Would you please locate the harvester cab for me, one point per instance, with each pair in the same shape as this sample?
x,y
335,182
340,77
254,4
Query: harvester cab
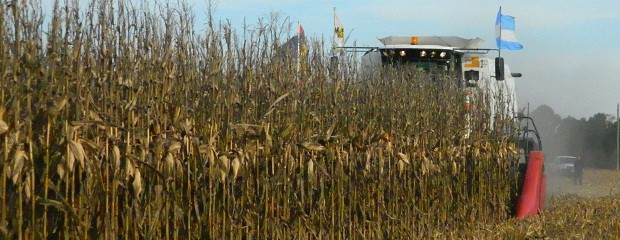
x,y
438,53
471,66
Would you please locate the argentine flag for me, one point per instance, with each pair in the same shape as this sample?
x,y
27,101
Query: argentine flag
x,y
505,32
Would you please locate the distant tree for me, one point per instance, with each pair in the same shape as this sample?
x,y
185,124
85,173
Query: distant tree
x,y
544,115
571,135
593,139
547,121
610,140
599,145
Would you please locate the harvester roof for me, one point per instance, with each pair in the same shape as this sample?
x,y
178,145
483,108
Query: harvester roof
x,y
441,41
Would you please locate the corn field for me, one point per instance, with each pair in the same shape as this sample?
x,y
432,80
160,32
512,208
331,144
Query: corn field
x,y
123,121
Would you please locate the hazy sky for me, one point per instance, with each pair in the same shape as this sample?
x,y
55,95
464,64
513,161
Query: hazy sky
x,y
570,59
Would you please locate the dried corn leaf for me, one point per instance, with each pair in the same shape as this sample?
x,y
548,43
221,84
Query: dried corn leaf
x,y
4,127
60,169
178,167
129,168
310,168
27,188
78,151
174,146
223,163
274,104
236,165
19,159
169,164
89,145
313,146
137,183
244,130
116,157
222,175
401,167
403,157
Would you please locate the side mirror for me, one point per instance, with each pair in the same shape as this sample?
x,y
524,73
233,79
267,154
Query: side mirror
x,y
499,68
520,116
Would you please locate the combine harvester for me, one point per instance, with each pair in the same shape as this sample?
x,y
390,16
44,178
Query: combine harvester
x,y
473,68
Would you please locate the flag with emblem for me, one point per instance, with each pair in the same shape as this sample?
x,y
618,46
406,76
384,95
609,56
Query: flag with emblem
x,y
338,34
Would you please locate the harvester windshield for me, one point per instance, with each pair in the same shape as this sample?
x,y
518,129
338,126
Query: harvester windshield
x,y
434,53
428,59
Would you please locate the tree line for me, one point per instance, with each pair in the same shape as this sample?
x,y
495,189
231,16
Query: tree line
x,y
593,139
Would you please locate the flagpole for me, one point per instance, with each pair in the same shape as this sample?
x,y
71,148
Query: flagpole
x,y
298,49
499,49
334,35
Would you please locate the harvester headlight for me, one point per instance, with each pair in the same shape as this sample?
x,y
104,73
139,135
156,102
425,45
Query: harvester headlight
x,y
402,53
442,54
423,54
433,54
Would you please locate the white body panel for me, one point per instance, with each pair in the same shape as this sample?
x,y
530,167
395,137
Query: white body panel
x,y
501,91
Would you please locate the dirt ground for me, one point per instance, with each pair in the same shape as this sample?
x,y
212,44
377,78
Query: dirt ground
x,y
596,183
588,211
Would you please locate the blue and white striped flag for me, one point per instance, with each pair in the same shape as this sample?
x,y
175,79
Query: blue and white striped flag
x,y
505,32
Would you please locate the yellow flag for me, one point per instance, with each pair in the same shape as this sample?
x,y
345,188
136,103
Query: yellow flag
x,y
338,33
